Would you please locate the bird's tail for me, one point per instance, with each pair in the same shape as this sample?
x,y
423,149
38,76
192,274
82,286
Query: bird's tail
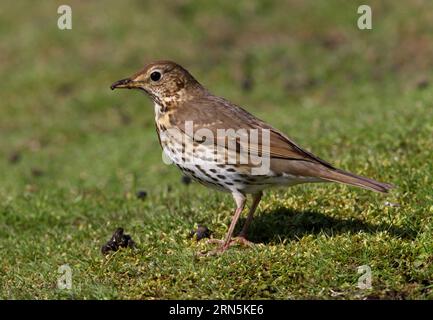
x,y
345,177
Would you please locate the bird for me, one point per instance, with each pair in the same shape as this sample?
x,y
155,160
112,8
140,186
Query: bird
x,y
223,146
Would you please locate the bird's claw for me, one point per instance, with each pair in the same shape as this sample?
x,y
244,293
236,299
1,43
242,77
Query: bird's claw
x,y
224,245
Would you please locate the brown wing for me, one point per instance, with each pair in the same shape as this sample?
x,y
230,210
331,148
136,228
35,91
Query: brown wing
x,y
215,113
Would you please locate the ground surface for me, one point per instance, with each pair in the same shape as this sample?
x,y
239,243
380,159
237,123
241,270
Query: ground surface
x,y
73,154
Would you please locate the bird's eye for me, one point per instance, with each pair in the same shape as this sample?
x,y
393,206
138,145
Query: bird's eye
x,y
155,76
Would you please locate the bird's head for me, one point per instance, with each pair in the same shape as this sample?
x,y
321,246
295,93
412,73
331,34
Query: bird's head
x,y
162,81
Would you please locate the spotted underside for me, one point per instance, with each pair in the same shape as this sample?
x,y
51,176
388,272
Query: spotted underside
x,y
210,165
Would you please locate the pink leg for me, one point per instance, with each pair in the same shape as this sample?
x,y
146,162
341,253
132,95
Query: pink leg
x,y
225,244
240,203
241,239
256,200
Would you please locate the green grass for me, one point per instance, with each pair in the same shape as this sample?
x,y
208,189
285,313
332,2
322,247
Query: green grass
x,y
359,99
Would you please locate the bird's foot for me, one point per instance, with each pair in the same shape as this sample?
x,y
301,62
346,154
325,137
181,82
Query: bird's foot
x,y
223,245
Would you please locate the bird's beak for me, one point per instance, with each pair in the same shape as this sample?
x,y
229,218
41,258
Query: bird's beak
x,y
124,83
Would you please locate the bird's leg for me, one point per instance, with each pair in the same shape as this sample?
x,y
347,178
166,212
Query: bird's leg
x,y
242,237
240,200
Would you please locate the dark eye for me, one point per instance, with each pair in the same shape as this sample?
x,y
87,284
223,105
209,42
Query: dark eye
x,y
155,76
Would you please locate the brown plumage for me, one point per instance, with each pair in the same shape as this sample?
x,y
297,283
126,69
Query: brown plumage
x,y
181,100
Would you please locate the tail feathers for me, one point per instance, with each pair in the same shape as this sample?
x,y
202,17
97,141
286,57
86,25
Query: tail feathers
x,y
341,176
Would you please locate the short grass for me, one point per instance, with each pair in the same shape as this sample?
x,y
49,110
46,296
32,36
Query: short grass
x,y
73,154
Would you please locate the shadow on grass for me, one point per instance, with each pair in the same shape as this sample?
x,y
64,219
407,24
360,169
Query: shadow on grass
x,y
287,224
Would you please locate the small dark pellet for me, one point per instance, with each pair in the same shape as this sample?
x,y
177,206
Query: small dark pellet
x,y
118,240
201,232
141,194
186,180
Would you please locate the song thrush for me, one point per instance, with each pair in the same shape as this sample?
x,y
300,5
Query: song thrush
x,y
213,141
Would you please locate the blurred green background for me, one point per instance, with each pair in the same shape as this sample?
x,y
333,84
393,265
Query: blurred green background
x,y
73,153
